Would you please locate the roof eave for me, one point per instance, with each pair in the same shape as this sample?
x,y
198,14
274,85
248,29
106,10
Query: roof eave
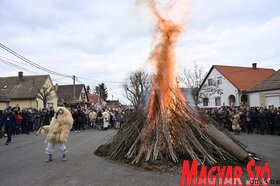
x,y
263,90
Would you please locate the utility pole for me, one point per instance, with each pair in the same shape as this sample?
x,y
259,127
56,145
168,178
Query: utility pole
x,y
74,87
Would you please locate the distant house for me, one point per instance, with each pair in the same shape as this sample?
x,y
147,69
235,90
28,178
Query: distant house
x,y
229,85
23,91
113,104
267,92
96,101
66,95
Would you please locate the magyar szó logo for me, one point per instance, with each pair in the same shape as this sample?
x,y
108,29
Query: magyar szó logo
x,y
224,175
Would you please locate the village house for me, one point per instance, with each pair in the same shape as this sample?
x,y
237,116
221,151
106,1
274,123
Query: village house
x,y
68,97
229,85
23,91
267,92
96,101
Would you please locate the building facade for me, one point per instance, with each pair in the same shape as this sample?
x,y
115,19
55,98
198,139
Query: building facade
x,y
229,85
267,92
22,91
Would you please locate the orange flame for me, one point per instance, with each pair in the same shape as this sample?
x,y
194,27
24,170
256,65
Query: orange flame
x,y
163,58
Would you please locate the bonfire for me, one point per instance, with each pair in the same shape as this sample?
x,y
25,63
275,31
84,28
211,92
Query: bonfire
x,y
166,128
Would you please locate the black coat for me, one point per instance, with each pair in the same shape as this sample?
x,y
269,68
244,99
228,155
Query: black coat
x,y
9,120
277,122
248,117
261,119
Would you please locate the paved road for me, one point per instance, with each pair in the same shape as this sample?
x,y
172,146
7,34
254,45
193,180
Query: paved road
x,y
268,147
22,162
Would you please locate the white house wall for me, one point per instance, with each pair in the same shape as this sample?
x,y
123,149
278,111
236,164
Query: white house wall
x,y
3,105
227,89
254,99
260,99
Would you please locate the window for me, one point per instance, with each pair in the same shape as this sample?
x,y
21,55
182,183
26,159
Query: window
x,y
219,81
50,105
205,101
217,101
83,95
210,82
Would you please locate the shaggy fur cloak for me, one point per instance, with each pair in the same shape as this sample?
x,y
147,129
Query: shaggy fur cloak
x,y
60,126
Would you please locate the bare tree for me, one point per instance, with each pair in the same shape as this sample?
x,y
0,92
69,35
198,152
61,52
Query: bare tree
x,y
45,94
136,87
193,78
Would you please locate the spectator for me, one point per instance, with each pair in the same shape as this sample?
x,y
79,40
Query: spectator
x,y
1,122
75,117
277,122
271,119
43,117
80,119
37,120
261,121
9,121
19,121
235,122
30,120
248,119
24,123
119,118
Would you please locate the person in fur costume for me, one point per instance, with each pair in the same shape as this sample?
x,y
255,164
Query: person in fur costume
x,y
57,132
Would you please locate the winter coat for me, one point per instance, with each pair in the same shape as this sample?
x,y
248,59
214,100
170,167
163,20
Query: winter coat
x,y
19,118
261,119
277,122
9,120
235,122
119,117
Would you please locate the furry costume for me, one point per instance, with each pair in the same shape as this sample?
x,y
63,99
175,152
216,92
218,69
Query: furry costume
x,y
58,131
106,119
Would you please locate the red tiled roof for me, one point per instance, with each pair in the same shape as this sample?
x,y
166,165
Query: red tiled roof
x,y
94,98
244,78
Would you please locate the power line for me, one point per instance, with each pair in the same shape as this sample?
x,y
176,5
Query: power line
x,y
10,67
16,66
32,63
105,81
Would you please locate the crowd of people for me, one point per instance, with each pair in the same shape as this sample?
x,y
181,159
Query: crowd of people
x,y
15,121
96,118
260,120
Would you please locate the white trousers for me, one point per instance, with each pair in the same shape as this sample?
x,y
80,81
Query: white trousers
x,y
105,124
60,146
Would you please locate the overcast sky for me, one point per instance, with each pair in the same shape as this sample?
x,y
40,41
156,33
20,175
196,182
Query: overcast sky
x,y
102,41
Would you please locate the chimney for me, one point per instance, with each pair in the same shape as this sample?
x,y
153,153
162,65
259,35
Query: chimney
x,y
56,87
254,65
20,74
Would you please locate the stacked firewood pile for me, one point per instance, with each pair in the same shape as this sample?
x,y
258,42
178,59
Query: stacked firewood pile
x,y
173,134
